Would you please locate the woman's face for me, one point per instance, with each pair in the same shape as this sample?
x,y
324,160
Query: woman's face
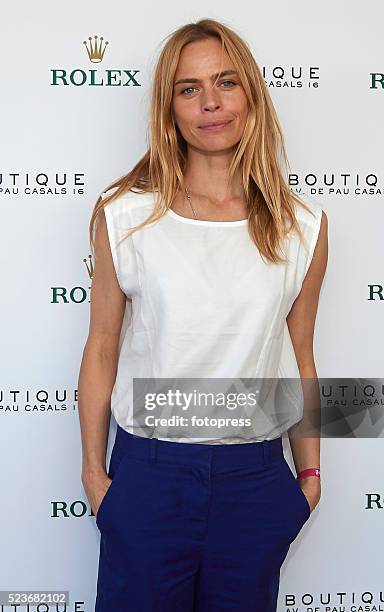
x,y
197,102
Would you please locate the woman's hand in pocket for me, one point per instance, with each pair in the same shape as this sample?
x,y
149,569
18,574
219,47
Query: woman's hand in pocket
x,y
311,487
95,486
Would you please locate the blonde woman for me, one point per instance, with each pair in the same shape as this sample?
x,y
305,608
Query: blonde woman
x,y
206,266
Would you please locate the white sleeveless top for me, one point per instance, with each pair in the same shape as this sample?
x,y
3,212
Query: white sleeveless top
x,y
202,303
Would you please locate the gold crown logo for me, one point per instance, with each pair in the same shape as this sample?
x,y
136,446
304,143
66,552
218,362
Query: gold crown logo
x,y
89,266
95,51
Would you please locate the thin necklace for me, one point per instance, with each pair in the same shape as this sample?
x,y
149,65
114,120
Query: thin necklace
x,y
190,202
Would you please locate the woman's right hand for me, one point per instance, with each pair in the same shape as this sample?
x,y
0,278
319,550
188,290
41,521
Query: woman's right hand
x,y
95,487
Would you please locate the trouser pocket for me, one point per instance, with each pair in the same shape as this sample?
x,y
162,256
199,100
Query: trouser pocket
x,y
115,469
297,506
303,497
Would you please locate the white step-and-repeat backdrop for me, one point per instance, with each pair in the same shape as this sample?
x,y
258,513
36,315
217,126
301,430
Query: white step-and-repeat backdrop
x,y
67,131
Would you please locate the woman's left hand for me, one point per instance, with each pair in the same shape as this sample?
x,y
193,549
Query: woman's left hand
x,y
311,487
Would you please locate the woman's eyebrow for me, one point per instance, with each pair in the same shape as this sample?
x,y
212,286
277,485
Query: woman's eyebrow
x,y
213,77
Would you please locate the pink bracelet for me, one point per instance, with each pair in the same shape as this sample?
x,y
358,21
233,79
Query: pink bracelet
x,y
308,472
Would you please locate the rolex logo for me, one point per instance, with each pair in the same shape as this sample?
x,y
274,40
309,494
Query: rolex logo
x,y
95,77
73,295
96,50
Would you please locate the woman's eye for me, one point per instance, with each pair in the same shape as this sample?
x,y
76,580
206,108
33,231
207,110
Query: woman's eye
x,y
184,90
222,83
233,83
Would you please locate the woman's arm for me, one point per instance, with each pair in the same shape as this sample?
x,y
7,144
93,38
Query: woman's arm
x,y
301,324
99,366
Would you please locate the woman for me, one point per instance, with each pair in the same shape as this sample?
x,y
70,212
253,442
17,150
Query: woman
x,y
207,266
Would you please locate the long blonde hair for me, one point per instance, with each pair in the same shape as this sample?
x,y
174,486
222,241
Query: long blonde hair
x,y
270,201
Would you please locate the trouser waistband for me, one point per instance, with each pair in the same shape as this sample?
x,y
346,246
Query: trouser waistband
x,y
153,449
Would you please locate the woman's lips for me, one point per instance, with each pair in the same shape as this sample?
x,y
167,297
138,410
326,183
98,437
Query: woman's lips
x,y
215,128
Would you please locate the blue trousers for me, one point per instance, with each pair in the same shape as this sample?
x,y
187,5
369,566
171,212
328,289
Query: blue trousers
x,y
195,527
